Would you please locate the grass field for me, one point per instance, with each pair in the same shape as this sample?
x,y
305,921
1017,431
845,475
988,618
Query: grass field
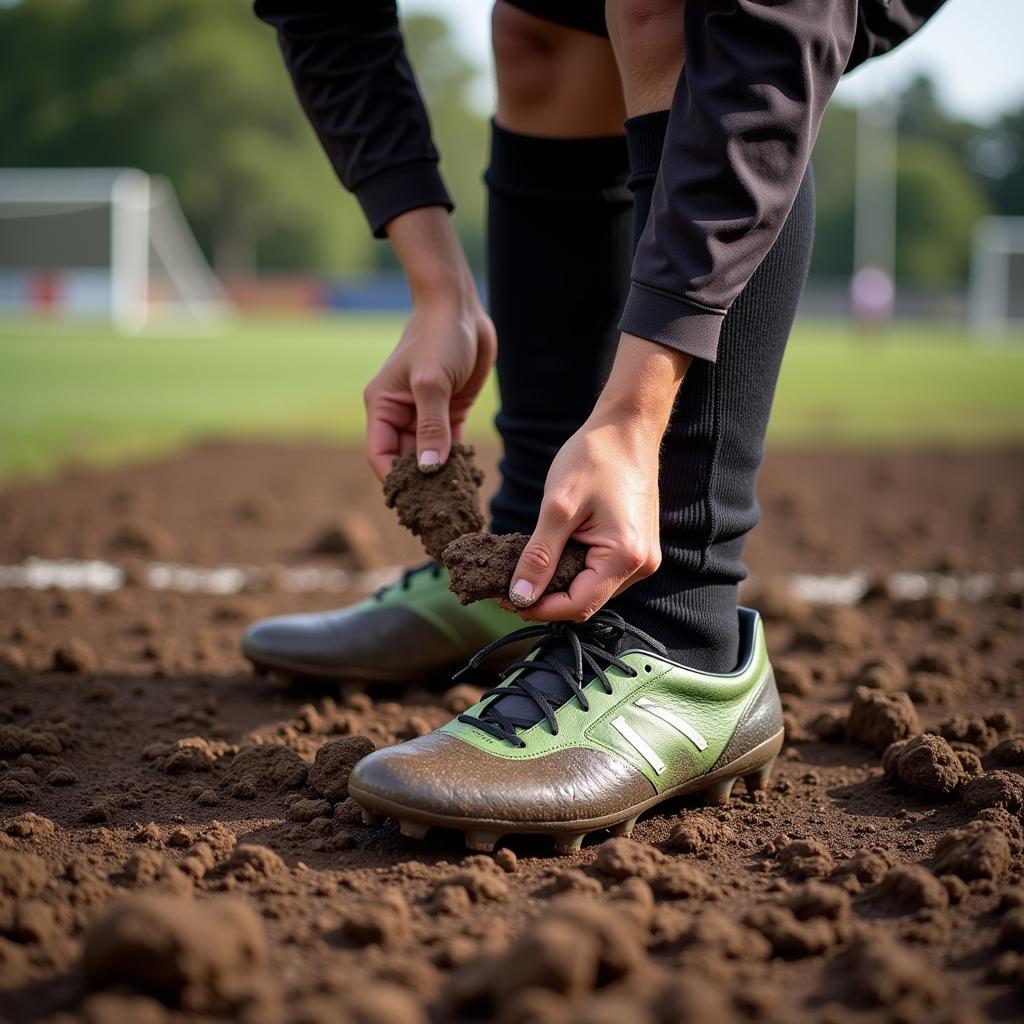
x,y
85,395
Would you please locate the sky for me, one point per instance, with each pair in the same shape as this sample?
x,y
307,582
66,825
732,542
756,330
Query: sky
x,y
971,48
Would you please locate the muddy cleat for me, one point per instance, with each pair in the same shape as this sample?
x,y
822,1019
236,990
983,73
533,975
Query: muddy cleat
x,y
595,727
405,633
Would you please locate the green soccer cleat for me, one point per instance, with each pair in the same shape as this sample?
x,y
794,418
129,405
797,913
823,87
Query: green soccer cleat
x,y
595,727
405,633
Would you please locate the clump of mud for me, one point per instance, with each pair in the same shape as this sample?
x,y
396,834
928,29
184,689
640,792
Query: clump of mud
x,y
481,565
437,503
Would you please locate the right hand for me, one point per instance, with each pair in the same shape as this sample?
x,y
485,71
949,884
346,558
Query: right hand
x,y
423,393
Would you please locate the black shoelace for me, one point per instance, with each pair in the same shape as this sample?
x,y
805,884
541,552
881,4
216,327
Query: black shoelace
x,y
434,568
592,646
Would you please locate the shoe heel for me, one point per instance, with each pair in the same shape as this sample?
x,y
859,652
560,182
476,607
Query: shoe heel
x,y
758,780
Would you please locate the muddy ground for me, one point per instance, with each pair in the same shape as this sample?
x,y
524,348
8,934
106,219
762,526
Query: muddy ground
x,y
166,853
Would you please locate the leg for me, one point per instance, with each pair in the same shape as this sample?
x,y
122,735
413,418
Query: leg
x,y
559,228
714,443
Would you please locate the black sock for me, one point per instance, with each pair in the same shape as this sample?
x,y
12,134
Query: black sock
x,y
714,443
558,257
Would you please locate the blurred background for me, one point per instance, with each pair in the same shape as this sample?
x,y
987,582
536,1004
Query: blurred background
x,y
177,260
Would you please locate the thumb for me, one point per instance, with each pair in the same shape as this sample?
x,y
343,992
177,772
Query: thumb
x,y
540,557
433,421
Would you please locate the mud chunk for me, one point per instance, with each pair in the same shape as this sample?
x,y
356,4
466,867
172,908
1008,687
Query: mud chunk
x,y
864,867
140,538
144,866
251,861
35,921
909,887
689,1000
1010,751
30,826
267,768
829,726
576,947
483,885
683,881
449,901
794,677
307,810
878,719
200,957
1011,929
891,757
815,899
192,754
74,656
981,850
461,697
698,832
333,765
889,974
928,764
886,671
21,874
61,776
385,921
624,858
969,729
789,936
574,880
481,565
507,860
716,933
995,789
970,764
440,503
804,858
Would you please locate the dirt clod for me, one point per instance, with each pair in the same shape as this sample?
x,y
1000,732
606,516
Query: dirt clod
x,y
928,764
878,718
437,504
200,957
481,565
334,763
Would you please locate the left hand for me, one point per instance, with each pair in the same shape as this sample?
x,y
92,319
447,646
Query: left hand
x,y
602,490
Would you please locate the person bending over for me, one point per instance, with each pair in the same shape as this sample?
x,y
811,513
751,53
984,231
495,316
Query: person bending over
x,y
642,287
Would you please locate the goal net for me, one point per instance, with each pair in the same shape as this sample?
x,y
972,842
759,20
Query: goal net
x,y
104,243
996,297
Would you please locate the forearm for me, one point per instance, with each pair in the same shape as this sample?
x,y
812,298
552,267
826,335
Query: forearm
x,y
431,254
642,387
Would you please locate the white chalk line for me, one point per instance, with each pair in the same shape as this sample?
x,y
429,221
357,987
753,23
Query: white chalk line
x,y
100,577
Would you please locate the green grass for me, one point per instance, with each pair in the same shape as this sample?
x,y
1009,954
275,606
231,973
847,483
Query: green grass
x,y
70,393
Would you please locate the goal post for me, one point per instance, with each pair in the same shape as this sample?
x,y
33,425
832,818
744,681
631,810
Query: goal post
x,y
996,292
103,242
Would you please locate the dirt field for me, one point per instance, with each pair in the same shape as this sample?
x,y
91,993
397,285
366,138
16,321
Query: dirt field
x,y
166,854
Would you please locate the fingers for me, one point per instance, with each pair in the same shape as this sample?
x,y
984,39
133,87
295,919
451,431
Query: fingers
x,y
432,394
539,559
382,443
608,572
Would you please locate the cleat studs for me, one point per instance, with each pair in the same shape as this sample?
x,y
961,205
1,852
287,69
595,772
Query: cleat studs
x,y
482,842
413,829
718,795
568,843
623,828
371,818
758,780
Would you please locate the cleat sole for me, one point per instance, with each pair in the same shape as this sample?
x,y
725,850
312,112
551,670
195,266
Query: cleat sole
x,y
371,818
715,788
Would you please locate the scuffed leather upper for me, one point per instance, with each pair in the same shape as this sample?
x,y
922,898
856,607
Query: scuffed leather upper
x,y
442,774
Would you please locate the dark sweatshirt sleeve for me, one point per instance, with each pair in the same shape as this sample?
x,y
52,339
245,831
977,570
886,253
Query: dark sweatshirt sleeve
x,y
348,62
757,77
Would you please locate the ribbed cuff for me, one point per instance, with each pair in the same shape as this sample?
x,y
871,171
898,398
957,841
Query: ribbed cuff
x,y
562,170
645,139
400,189
673,321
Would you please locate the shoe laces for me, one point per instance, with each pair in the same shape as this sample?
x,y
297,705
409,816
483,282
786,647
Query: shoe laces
x,y
434,568
592,647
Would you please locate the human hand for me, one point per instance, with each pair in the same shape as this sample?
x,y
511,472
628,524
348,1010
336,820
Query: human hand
x,y
422,394
602,490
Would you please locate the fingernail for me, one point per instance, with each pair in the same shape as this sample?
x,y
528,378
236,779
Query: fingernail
x,y
521,592
429,458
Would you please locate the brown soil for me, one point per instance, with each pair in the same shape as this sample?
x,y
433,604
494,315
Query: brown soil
x,y
176,843
439,503
481,565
